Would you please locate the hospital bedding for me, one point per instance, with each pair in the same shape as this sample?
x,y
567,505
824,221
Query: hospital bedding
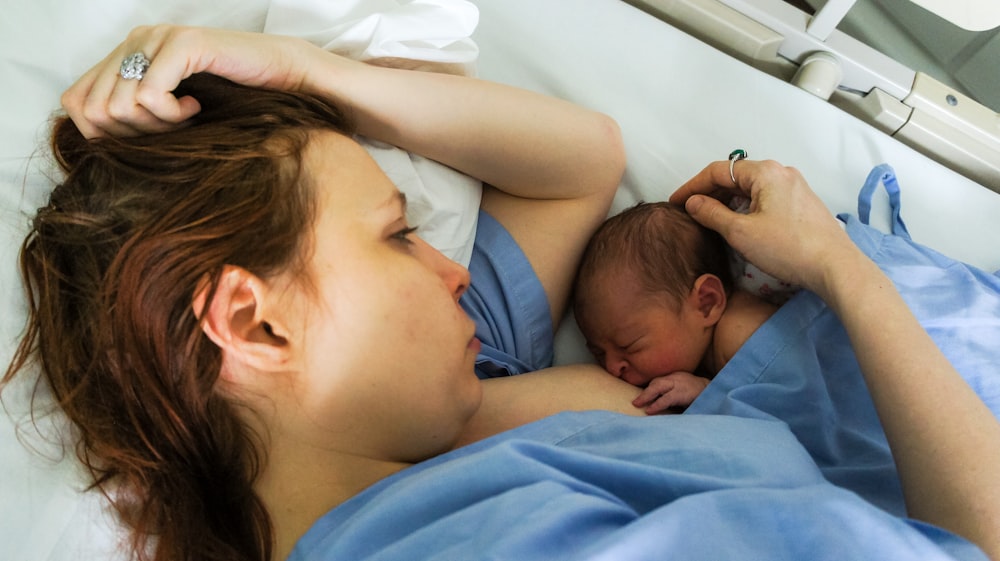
x,y
680,104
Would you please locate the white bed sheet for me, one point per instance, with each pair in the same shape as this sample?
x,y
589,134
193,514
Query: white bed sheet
x,y
679,102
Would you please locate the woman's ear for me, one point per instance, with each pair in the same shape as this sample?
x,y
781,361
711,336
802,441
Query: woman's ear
x,y
237,320
708,299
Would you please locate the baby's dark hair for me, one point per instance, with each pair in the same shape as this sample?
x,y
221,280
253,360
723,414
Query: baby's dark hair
x,y
662,244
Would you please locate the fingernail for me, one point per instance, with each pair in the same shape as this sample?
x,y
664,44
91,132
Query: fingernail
x,y
694,203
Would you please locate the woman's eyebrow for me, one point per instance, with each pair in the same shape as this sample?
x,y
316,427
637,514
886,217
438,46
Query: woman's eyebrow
x,y
399,197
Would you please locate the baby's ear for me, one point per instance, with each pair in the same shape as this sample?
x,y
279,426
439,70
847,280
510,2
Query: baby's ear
x,y
708,297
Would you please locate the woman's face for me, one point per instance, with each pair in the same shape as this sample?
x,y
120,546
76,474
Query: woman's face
x,y
389,353
638,336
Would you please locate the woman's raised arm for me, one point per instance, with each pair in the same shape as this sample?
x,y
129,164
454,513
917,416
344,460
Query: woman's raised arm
x,y
945,441
553,166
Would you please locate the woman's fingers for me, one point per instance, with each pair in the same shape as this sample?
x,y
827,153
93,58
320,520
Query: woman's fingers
x,y
712,214
102,102
714,181
788,231
174,54
76,98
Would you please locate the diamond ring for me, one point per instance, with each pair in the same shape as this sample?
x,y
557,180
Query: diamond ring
x,y
134,66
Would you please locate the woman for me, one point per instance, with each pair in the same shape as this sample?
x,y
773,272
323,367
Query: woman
x,y
262,277
301,370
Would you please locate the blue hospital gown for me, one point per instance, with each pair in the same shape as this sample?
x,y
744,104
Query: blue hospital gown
x,y
597,485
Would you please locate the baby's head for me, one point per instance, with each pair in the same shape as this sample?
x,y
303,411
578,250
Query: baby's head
x,y
651,285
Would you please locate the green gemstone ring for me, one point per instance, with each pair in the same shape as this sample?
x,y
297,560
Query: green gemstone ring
x,y
735,156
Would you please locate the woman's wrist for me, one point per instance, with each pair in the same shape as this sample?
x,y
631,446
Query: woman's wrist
x,y
844,274
322,73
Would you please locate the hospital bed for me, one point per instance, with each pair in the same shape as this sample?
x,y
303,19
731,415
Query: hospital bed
x,y
810,52
681,102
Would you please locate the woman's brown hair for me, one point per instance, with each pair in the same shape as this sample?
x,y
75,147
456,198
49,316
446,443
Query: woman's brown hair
x,y
111,266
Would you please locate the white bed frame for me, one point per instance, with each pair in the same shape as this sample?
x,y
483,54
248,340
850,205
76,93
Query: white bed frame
x,y
808,51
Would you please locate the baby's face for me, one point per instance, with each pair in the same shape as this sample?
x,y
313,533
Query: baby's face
x,y
636,335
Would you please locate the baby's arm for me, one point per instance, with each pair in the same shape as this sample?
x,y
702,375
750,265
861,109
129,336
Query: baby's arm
x,y
677,389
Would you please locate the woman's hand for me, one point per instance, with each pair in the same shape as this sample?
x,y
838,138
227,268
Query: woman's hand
x,y
103,103
788,232
942,458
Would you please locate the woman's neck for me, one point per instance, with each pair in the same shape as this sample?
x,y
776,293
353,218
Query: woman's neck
x,y
301,484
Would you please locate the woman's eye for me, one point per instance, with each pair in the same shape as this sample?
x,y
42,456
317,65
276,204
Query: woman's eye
x,y
404,235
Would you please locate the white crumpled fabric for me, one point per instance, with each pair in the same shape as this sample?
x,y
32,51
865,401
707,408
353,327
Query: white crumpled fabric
x,y
420,30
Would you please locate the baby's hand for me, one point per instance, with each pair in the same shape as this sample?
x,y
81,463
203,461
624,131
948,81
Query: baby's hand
x,y
678,389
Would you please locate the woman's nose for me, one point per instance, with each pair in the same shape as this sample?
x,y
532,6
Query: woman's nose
x,y
455,276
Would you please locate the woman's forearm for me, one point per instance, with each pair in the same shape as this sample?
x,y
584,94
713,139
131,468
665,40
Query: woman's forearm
x,y
945,441
518,141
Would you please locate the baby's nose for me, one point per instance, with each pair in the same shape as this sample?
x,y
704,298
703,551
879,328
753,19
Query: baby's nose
x,y
616,366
